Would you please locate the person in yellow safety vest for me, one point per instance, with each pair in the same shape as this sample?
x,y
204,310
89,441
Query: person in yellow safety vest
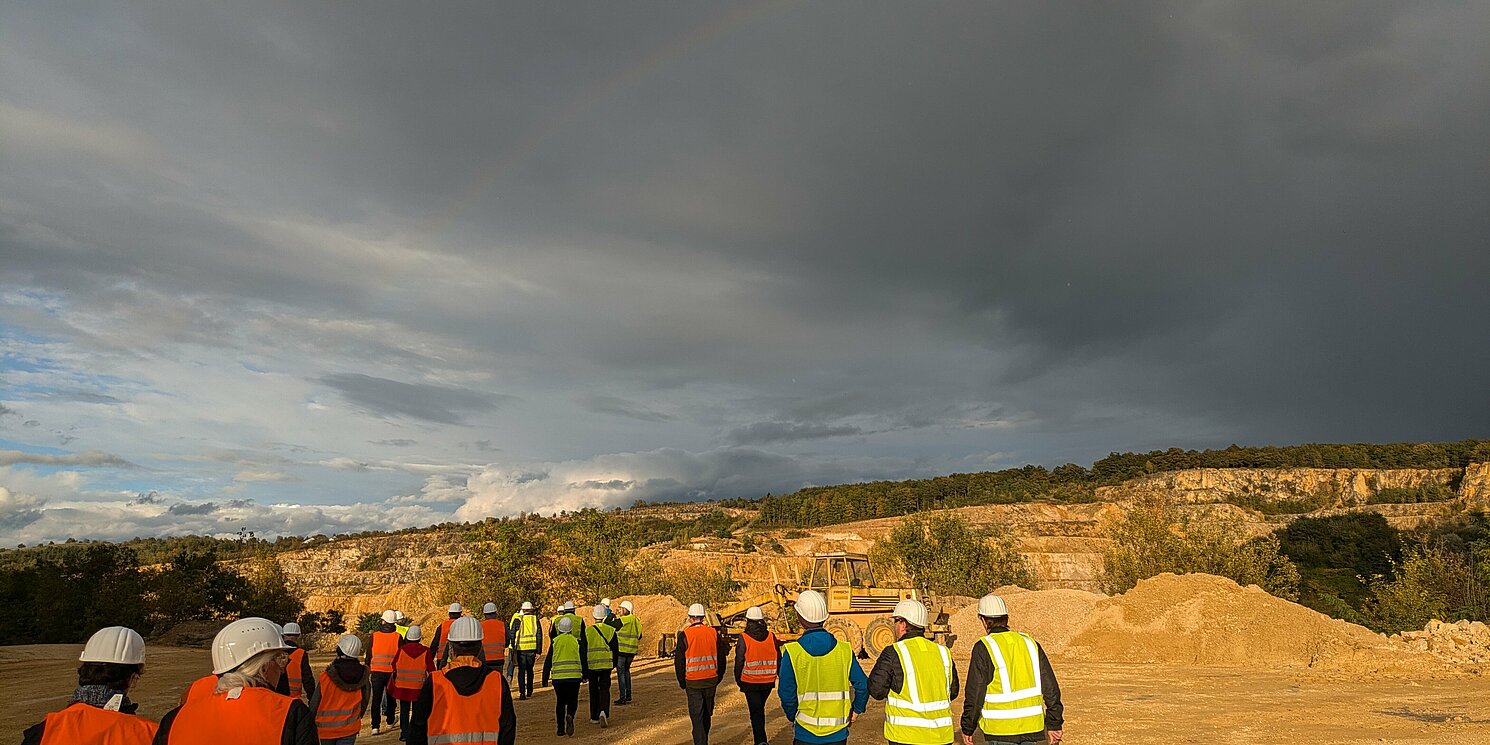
x,y
698,661
493,638
100,711
757,657
600,658
917,680
442,635
298,679
342,697
569,667
527,644
576,629
1012,694
380,653
466,702
628,645
822,688
401,624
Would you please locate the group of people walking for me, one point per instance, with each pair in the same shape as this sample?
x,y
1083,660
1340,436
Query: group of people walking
x,y
263,691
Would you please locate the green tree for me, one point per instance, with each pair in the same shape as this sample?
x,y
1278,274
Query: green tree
x,y
946,553
269,593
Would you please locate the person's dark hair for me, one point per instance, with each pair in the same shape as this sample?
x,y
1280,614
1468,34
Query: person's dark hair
x,y
464,649
107,674
996,622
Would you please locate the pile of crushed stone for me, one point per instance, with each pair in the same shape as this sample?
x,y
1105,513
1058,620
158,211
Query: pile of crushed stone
x,y
1461,642
1050,616
659,615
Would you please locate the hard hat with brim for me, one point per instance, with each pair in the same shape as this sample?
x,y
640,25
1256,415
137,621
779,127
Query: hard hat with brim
x,y
350,646
414,634
753,613
598,613
489,608
454,608
292,629
116,645
241,640
696,610
812,606
912,612
992,606
565,625
527,605
389,616
465,629
626,605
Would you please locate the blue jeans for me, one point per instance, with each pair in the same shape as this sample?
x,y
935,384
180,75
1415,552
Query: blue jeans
x,y
623,676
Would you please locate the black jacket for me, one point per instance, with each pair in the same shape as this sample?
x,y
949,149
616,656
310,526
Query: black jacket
x,y
981,671
889,675
467,681
349,675
307,678
680,662
755,630
300,726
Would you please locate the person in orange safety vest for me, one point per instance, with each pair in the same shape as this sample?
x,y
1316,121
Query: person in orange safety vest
x,y
466,701
298,680
342,695
411,667
698,661
100,712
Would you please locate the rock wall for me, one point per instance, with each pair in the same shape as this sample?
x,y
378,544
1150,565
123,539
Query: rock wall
x,y
1336,487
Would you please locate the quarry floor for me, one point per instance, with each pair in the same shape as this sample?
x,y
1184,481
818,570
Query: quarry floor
x,y
1105,703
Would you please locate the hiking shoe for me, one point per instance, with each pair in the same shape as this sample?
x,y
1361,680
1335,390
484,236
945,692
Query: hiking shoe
x,y
376,730
604,720
569,725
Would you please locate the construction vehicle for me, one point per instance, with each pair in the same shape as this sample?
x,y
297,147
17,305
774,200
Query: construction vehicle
x,y
858,608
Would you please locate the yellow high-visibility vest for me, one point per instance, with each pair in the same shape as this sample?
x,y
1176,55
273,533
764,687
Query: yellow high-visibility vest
x,y
566,662
921,714
629,636
597,646
525,626
824,697
1014,703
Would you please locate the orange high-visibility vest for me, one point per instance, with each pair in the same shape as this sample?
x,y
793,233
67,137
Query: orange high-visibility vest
x,y
384,646
444,637
339,712
760,659
256,717
202,686
494,640
81,724
410,671
292,672
702,662
474,719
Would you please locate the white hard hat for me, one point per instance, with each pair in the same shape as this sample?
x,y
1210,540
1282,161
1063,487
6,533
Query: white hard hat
x,y
489,608
465,629
812,606
241,640
527,605
626,605
560,609
455,608
568,606
389,616
292,629
599,613
565,625
116,644
605,602
696,610
350,645
414,634
992,606
912,612
753,613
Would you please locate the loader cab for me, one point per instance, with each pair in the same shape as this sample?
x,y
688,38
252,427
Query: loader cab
x,y
839,577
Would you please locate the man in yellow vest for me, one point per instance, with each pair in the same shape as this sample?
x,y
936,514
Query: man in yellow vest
x,y
1012,694
628,645
576,629
527,644
917,680
600,657
822,688
568,669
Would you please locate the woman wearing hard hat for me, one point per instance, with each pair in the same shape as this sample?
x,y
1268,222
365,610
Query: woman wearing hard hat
x,y
756,657
343,694
380,653
411,667
248,656
466,702
100,712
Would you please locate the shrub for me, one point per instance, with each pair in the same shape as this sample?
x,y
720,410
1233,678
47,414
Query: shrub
x,y
946,553
1430,582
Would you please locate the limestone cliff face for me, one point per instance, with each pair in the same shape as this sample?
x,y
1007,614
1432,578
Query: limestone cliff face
x,y
368,575
1326,487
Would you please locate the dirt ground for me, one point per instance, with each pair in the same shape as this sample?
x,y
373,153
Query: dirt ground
x,y
1105,703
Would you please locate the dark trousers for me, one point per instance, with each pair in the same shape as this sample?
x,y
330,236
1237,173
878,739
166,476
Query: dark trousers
x,y
548,664
599,693
525,662
382,702
404,709
623,676
701,712
566,699
756,702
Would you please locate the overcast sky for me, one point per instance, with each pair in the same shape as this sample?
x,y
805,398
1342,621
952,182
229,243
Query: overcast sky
x,y
321,267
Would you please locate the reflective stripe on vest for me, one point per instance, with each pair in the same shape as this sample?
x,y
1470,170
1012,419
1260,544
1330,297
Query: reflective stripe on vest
x,y
411,670
1014,703
702,653
384,647
824,697
527,632
293,670
475,718
760,659
597,647
240,716
566,663
338,712
629,636
922,713
494,640
81,724
444,637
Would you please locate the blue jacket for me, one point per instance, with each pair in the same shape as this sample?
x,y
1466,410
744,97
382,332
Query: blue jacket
x,y
817,643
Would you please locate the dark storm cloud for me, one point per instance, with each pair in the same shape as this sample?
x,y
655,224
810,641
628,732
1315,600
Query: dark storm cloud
x,y
431,403
87,458
762,433
397,442
601,404
201,508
